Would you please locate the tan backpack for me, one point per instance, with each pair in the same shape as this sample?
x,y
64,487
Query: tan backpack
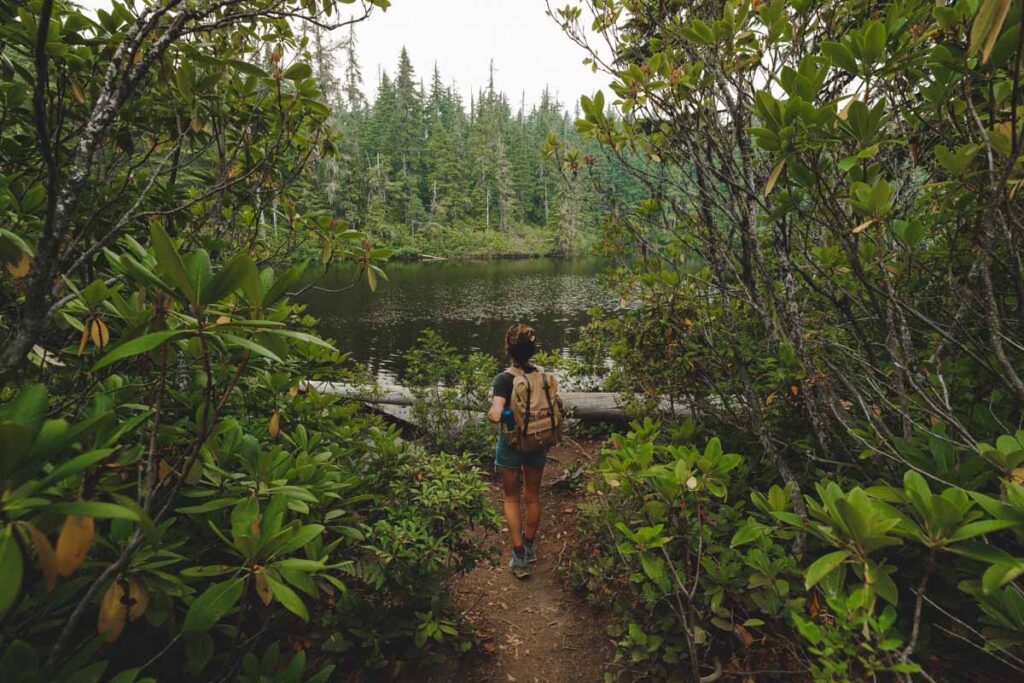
x,y
537,410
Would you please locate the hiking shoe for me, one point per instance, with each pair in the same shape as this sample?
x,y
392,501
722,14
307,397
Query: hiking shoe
x,y
518,565
529,549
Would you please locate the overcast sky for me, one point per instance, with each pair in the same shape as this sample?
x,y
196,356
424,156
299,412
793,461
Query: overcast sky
x,y
462,36
528,47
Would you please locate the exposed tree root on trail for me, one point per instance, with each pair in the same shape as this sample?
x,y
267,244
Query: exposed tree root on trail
x,y
536,630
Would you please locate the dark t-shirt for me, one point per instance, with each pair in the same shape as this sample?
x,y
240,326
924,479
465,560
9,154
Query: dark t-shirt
x,y
503,383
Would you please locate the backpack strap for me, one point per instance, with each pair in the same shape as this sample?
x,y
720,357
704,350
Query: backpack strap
x,y
547,394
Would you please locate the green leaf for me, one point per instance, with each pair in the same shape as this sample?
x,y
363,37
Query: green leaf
x,y
10,570
874,42
883,583
91,508
840,56
303,536
287,597
985,526
229,278
170,262
208,506
137,346
303,336
298,72
245,67
249,345
299,564
243,516
74,466
210,607
823,566
21,421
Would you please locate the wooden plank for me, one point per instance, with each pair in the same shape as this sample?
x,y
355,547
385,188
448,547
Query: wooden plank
x,y
585,405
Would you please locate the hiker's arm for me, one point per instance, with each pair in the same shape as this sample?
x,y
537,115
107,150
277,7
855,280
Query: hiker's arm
x,y
497,405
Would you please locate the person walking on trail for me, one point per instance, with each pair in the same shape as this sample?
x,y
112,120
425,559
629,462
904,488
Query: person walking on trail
x,y
528,412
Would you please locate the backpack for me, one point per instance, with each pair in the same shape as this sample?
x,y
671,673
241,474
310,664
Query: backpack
x,y
537,411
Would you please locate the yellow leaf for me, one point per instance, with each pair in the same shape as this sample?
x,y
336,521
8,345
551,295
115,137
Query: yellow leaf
x,y
274,428
20,269
223,320
794,389
138,599
47,559
85,338
76,92
774,177
262,586
113,612
164,472
845,111
99,333
73,544
863,226
294,391
988,23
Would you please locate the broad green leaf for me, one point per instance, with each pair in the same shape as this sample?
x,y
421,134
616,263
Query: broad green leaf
x,y
199,270
985,526
299,564
74,466
90,508
823,566
138,346
302,336
170,262
287,597
303,536
249,345
208,506
874,37
214,603
298,72
11,569
229,278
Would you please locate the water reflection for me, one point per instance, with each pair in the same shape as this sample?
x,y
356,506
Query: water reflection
x,y
470,304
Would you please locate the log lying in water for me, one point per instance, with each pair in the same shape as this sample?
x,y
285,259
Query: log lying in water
x,y
585,405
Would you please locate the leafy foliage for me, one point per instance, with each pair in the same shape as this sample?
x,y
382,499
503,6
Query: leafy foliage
x,y
827,269
176,502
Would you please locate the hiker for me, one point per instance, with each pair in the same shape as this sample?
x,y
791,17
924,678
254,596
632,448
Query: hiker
x,y
526,408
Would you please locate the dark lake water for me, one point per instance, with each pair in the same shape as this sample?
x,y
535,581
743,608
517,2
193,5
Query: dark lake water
x,y
469,303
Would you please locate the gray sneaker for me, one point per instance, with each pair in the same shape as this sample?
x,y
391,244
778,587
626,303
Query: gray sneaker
x,y
518,565
530,549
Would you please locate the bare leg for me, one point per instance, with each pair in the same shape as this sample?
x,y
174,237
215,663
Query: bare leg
x,y
532,476
510,483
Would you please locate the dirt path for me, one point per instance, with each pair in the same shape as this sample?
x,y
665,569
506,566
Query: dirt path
x,y
536,630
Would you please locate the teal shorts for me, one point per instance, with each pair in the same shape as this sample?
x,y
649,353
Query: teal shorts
x,y
505,456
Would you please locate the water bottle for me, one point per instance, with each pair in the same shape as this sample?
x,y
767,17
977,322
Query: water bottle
x,y
508,420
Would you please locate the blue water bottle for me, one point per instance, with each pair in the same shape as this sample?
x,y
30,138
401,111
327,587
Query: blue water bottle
x,y
508,420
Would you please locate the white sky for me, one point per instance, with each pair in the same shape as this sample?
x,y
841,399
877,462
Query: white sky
x,y
528,48
462,36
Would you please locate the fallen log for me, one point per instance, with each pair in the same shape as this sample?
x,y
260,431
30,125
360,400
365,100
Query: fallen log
x,y
585,405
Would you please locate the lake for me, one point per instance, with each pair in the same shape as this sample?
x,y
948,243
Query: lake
x,y
469,303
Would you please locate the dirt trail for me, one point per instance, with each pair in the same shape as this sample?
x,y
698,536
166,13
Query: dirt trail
x,y
536,630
